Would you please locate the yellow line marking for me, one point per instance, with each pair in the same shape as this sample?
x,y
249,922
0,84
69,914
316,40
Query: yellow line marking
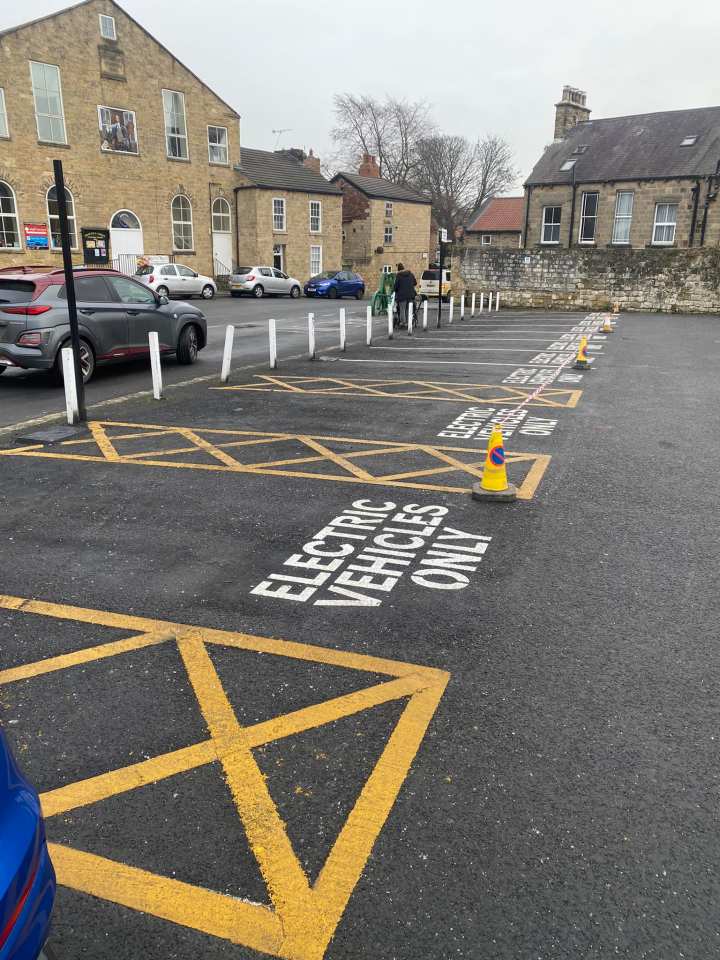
x,y
353,473
304,916
102,440
447,391
250,924
527,488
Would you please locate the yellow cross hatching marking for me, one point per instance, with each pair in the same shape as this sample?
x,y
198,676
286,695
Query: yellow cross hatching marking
x,y
286,454
411,390
303,916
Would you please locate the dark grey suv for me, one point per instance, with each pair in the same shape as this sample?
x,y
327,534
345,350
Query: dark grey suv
x,y
115,316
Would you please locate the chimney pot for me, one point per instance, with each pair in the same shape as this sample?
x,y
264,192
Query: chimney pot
x,y
571,110
369,166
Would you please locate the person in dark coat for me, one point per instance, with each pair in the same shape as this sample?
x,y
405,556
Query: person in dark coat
x,y
404,290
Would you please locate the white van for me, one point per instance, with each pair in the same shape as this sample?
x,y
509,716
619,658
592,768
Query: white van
x,y
429,284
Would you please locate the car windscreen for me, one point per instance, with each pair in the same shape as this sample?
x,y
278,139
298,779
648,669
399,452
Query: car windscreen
x,y
144,271
326,275
243,271
430,274
16,291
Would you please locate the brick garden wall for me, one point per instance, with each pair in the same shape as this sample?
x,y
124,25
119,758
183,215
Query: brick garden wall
x,y
676,281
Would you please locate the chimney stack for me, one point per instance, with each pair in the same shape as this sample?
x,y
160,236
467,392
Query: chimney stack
x,y
312,162
369,167
571,109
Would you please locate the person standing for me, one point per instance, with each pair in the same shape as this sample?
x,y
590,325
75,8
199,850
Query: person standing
x,y
404,290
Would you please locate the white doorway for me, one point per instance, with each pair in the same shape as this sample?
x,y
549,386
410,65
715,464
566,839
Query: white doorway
x,y
279,256
126,240
222,237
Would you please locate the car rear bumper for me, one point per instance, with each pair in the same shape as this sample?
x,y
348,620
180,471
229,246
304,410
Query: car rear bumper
x,y
27,358
32,926
236,287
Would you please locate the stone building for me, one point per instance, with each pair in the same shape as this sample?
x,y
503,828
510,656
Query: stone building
x,y
383,223
149,152
649,180
498,222
290,215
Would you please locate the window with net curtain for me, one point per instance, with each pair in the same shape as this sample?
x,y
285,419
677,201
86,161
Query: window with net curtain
x,y
9,229
175,126
182,226
623,216
54,218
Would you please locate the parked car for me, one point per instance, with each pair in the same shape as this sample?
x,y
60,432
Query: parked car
x,y
429,284
27,878
257,281
115,316
176,280
336,283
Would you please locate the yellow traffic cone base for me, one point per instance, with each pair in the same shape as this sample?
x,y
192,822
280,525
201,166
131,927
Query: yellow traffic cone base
x,y
494,482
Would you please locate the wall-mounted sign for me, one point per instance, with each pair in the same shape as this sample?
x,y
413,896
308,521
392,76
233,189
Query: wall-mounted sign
x,y
118,130
96,245
36,236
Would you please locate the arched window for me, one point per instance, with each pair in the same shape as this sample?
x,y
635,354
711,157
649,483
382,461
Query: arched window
x,y
221,216
125,220
54,218
9,229
182,226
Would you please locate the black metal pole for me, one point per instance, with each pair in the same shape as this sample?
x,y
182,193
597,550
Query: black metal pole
x,y
69,285
441,261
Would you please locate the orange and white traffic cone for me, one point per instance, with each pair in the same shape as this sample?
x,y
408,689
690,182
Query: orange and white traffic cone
x,y
494,482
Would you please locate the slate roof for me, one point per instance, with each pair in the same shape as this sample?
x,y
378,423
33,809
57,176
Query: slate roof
x,y
498,214
379,189
280,170
642,147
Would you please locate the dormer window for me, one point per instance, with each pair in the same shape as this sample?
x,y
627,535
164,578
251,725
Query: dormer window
x,y
568,165
689,141
581,148
107,27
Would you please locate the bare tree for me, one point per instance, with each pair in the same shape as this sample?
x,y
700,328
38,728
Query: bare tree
x,y
458,175
389,129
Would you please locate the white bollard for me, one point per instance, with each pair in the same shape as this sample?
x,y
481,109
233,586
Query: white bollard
x,y
390,320
497,301
490,305
155,365
472,305
482,302
368,326
311,336
227,353
272,337
452,309
71,397
462,307
411,307
342,328
425,310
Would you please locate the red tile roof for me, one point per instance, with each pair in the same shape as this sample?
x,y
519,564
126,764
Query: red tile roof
x,y
500,213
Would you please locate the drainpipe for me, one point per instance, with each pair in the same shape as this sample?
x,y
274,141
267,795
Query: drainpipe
x,y
693,222
708,197
237,222
527,218
572,209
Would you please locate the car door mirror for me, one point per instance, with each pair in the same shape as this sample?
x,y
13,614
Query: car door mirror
x,y
195,275
162,300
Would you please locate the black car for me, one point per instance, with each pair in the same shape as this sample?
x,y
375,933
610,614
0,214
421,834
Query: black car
x,y
115,316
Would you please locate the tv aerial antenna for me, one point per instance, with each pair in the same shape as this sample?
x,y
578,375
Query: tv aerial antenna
x,y
279,133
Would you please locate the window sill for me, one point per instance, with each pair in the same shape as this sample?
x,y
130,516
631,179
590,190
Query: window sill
x,y
118,153
178,159
283,232
620,246
3,137
218,163
661,246
14,250
186,253
58,146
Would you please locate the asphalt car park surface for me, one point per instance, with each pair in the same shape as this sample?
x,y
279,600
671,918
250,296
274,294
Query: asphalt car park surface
x,y
287,690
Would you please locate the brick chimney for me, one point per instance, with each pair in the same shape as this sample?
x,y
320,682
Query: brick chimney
x,y
570,110
312,162
369,167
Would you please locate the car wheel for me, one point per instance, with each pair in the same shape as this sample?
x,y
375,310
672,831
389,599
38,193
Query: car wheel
x,y
87,363
3,368
332,293
163,292
359,294
295,292
208,292
187,348
258,291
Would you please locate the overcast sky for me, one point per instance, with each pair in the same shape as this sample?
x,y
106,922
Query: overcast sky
x,y
486,67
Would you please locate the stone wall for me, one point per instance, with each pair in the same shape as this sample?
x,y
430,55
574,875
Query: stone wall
x,y
675,281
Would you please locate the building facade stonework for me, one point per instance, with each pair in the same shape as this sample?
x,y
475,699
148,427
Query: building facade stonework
x,y
114,180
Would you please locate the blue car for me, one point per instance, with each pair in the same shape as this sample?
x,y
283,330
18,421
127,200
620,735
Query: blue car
x,y
27,878
336,283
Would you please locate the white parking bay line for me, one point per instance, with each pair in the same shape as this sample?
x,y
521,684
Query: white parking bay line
x,y
420,349
456,363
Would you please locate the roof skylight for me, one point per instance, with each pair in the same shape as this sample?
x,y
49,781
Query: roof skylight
x,y
568,165
689,141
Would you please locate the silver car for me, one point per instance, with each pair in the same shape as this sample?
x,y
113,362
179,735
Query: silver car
x,y
176,280
257,281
